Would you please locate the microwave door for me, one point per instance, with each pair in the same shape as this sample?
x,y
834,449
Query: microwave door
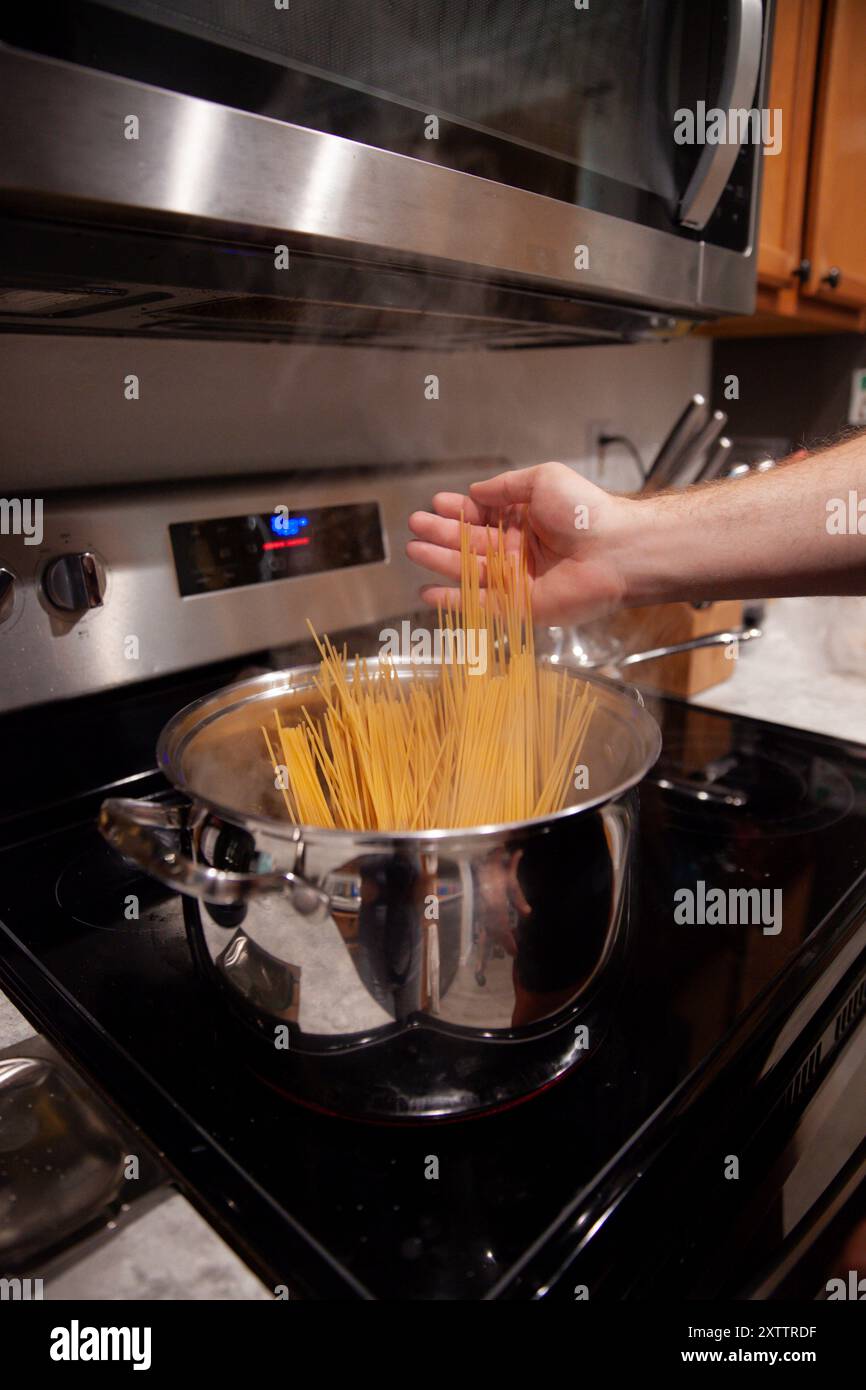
x,y
576,104
431,167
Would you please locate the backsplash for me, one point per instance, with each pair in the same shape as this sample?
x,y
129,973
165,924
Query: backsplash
x,y
797,388
207,409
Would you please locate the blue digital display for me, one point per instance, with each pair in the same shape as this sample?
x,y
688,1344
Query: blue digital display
x,y
230,552
288,525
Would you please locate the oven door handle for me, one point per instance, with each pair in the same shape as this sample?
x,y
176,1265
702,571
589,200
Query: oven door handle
x,y
739,80
148,833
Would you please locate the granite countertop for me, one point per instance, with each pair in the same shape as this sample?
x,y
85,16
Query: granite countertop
x,y
169,1253
789,675
786,677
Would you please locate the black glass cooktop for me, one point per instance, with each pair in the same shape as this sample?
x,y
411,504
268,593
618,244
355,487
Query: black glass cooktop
x,y
577,1184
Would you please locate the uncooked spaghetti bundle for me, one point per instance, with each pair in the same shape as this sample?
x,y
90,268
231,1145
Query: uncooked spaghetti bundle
x,y
442,744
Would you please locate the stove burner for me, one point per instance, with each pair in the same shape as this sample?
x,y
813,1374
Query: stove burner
x,y
751,792
99,889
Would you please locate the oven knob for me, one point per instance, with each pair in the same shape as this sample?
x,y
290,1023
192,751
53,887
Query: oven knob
x,y
7,593
74,583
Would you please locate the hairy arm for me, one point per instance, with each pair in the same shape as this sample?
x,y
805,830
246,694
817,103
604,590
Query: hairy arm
x,y
784,532
788,531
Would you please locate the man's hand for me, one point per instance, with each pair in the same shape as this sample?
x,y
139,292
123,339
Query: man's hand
x,y
797,529
573,529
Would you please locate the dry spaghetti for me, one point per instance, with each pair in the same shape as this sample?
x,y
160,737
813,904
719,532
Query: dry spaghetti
x,y
455,746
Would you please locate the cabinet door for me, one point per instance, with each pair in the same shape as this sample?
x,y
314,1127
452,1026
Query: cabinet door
x,y
836,201
792,87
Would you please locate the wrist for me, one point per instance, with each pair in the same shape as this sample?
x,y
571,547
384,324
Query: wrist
x,y
644,539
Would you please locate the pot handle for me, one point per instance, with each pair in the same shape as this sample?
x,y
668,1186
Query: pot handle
x,y
708,639
134,829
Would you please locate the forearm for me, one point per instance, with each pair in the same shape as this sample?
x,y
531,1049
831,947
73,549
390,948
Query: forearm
x,y
785,532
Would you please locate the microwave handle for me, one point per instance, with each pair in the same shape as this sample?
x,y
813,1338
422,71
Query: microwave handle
x,y
739,80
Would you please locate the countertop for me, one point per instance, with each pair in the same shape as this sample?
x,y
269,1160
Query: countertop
x,y
170,1253
788,675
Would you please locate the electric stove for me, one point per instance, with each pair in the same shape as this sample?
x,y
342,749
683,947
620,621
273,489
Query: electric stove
x,y
680,1159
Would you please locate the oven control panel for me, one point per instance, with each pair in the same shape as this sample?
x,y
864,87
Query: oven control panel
x,y
102,589
228,552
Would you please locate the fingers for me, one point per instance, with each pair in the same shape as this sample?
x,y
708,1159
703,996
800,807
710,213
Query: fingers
x,y
505,489
451,504
438,533
438,530
440,560
438,596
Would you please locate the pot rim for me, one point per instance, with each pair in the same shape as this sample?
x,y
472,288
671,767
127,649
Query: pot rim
x,y
192,718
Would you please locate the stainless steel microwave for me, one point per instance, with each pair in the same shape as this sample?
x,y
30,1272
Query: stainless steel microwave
x,y
504,173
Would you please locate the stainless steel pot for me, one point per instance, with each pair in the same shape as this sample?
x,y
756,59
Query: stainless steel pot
x,y
335,941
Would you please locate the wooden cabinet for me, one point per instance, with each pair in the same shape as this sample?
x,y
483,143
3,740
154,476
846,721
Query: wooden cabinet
x,y
835,241
813,204
785,175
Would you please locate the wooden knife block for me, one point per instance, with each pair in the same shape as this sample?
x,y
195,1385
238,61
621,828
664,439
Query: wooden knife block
x,y
686,673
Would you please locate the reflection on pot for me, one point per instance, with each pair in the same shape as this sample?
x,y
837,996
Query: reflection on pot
x,y
498,939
